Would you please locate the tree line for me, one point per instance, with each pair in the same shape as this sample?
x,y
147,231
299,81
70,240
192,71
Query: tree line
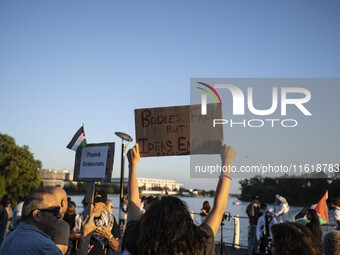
x,y
19,173
298,191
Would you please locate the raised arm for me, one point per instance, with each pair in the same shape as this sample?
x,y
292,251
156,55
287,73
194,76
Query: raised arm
x,y
214,217
133,192
281,208
87,231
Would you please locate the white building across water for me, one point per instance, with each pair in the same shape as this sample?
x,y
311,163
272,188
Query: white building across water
x,y
53,177
148,186
153,186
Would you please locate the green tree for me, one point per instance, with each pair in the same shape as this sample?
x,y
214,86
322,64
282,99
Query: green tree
x,y
181,190
18,169
298,191
211,193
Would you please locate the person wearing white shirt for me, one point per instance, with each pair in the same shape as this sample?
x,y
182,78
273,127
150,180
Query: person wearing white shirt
x,y
281,209
263,228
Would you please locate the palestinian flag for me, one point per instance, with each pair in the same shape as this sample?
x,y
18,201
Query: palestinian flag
x,y
78,141
321,209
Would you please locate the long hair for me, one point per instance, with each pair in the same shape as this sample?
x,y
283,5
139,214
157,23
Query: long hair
x,y
331,243
206,206
166,228
294,239
314,225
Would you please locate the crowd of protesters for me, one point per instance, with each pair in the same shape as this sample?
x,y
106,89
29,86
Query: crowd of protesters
x,y
261,219
270,231
46,222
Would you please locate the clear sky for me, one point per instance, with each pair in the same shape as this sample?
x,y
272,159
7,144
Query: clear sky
x,y
64,63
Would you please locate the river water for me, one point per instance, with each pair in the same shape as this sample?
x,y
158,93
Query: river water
x,y
195,204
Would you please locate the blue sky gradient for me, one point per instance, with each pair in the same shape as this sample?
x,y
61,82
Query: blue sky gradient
x,y
64,63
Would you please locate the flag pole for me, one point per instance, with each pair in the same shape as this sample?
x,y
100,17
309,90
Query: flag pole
x,y
90,195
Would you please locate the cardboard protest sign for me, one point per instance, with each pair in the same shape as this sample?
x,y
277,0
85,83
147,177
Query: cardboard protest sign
x,y
178,130
94,162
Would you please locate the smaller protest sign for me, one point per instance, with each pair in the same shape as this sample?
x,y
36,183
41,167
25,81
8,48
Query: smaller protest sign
x,y
94,162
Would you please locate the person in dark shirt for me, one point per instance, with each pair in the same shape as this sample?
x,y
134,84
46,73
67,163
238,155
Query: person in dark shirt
x,y
167,227
253,212
73,220
205,210
61,233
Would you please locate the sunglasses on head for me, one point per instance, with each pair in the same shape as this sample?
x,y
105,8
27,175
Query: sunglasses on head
x,y
54,210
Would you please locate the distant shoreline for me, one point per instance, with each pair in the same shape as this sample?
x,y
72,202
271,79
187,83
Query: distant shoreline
x,y
177,195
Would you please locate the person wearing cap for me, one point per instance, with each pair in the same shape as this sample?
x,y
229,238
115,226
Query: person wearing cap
x,y
263,228
253,212
104,237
